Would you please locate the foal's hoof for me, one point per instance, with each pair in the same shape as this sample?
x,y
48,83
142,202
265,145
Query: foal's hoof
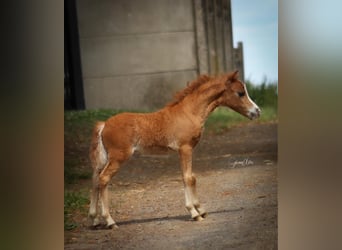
x,y
96,227
198,218
112,226
96,224
204,215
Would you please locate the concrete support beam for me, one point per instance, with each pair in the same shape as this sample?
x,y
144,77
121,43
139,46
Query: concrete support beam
x,y
201,38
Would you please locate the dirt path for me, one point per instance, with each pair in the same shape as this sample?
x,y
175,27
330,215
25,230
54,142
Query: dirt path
x,y
237,184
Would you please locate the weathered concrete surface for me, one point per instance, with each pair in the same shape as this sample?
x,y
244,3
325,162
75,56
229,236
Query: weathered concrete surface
x,y
137,54
126,42
143,92
122,17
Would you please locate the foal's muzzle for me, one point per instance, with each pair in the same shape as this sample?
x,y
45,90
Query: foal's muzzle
x,y
254,113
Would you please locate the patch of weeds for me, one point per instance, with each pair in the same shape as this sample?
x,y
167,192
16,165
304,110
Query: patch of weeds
x,y
74,203
71,176
268,114
85,119
79,124
222,119
72,171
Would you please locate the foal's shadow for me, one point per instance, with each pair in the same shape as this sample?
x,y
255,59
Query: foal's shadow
x,y
165,218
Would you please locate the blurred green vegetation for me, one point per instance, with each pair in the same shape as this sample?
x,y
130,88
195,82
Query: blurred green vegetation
x,y
222,119
264,94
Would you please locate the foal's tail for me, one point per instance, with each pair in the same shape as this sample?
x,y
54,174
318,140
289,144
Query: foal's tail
x,y
98,154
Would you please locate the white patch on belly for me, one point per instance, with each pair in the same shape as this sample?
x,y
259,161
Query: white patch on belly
x,y
135,148
173,145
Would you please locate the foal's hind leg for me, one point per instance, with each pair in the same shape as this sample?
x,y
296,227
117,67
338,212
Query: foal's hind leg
x,y
94,200
98,164
105,176
116,158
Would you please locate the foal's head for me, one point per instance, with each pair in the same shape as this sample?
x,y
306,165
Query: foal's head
x,y
236,97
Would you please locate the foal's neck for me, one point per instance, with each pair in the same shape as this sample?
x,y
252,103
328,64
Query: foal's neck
x,y
203,102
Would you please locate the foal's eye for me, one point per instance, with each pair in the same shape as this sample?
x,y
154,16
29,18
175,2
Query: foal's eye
x,y
241,94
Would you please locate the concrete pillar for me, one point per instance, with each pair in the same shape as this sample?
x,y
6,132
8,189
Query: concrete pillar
x,y
228,36
201,37
218,24
238,60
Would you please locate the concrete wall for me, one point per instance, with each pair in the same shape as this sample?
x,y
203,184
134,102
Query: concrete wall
x,y
218,24
136,54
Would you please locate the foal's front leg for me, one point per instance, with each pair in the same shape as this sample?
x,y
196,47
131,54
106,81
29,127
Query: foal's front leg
x,y
191,200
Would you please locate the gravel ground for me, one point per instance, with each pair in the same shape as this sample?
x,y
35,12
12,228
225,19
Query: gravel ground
x,y
236,182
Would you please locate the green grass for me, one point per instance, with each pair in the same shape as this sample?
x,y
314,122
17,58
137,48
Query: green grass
x,y
268,114
74,202
72,173
78,126
83,121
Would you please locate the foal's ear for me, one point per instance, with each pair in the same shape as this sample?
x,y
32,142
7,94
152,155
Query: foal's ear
x,y
235,75
232,77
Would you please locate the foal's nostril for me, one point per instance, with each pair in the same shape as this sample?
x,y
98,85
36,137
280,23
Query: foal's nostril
x,y
257,112
254,112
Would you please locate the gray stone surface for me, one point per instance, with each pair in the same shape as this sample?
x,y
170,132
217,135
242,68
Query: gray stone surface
x,y
109,17
143,92
136,54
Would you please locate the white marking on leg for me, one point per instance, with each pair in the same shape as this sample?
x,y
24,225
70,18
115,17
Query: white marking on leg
x,y
93,204
195,200
189,202
105,207
94,197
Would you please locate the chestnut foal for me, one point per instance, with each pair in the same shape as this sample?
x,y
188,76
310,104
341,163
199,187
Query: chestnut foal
x,y
178,126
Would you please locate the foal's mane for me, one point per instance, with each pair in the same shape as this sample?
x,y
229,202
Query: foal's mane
x,y
192,86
